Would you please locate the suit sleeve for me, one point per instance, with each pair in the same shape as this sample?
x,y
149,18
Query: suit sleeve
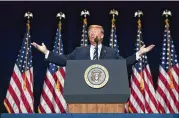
x,y
60,59
129,60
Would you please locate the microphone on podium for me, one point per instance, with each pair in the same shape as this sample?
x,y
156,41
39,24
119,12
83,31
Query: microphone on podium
x,y
96,40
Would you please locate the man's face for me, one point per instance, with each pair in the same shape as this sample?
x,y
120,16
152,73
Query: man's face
x,y
93,33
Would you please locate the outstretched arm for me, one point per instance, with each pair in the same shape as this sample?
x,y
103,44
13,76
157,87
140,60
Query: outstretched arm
x,y
132,59
51,57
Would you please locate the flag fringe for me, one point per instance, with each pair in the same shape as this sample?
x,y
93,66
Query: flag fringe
x,y
7,108
39,110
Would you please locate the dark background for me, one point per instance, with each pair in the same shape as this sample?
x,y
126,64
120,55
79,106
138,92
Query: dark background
x,y
44,24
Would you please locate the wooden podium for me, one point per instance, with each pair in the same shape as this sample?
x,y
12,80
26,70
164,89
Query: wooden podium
x,y
82,98
96,108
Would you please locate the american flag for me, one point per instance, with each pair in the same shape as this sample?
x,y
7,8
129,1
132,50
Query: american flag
x,y
142,93
113,38
168,80
19,97
52,99
84,37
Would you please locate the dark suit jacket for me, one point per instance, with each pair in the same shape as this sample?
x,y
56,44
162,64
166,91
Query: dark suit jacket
x,y
83,53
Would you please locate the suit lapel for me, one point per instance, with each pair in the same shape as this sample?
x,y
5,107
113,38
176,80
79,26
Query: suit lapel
x,y
103,52
88,52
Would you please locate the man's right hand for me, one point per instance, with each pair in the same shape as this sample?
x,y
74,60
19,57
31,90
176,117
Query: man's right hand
x,y
42,48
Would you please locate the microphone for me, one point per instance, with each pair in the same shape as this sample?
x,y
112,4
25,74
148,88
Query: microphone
x,y
96,40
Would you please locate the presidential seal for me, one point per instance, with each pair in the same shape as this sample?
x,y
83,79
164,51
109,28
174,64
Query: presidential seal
x,y
96,76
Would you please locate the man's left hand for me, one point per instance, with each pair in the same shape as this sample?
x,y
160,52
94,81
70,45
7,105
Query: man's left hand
x,y
144,49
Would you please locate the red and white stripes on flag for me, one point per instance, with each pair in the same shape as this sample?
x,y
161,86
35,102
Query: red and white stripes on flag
x,y
19,97
168,79
142,97
52,99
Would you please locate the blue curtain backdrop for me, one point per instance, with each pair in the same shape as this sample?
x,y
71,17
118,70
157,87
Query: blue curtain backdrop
x,y
44,24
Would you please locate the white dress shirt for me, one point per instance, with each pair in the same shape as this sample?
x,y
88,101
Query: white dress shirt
x,y
92,49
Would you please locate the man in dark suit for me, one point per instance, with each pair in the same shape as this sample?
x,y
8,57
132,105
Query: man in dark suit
x,y
93,52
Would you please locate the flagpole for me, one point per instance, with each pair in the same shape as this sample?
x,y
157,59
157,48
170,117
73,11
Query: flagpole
x,y
169,54
84,13
113,20
28,15
113,12
138,14
141,72
59,16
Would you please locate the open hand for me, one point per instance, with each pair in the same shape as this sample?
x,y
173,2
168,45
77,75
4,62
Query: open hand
x,y
144,49
42,48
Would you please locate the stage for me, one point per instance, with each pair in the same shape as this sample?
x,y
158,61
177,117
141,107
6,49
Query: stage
x,y
107,115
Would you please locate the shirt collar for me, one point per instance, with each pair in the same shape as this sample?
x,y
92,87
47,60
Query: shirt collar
x,y
99,46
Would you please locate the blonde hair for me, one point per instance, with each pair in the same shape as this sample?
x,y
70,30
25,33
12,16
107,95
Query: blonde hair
x,y
96,26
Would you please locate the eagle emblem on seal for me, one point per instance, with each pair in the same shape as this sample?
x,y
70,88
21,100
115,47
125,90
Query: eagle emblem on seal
x,y
96,76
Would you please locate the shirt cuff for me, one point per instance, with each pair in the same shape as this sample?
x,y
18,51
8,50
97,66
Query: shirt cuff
x,y
137,56
46,55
